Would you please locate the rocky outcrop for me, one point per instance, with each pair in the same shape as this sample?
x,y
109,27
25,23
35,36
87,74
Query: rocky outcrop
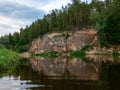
x,y
36,44
57,42
54,41
25,55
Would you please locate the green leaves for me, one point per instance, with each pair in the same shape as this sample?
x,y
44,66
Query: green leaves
x,y
8,58
107,21
112,23
50,54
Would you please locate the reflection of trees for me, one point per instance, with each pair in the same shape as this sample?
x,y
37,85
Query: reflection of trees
x,y
109,75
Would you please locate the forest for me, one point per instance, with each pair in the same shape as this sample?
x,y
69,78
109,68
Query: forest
x,y
104,16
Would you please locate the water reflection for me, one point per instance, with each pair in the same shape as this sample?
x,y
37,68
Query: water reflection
x,y
103,69
65,66
64,73
109,75
23,79
69,84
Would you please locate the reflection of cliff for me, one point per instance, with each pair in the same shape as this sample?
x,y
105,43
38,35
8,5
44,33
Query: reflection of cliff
x,y
101,58
60,83
65,67
56,41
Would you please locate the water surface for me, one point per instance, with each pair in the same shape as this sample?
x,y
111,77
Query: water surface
x,y
64,73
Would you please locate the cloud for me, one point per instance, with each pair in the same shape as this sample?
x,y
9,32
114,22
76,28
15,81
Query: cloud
x,y
14,15
8,25
20,11
55,4
34,3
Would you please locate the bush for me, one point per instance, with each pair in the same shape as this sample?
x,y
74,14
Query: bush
x,y
8,58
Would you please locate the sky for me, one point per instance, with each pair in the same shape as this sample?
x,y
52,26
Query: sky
x,y
15,14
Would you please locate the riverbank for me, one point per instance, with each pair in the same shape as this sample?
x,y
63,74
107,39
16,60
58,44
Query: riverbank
x,y
8,57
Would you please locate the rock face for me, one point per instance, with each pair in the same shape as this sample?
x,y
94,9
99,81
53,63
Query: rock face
x,y
54,41
36,44
57,42
25,55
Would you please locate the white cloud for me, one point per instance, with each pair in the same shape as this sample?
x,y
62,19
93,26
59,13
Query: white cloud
x,y
10,25
14,15
45,5
55,4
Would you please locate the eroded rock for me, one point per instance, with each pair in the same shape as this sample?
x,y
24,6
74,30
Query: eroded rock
x,y
57,42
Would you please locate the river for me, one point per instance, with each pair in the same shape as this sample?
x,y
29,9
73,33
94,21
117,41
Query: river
x,y
64,73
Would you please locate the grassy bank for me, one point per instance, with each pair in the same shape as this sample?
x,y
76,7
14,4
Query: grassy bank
x,y
51,54
8,57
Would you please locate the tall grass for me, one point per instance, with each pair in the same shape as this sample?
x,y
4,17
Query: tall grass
x,y
8,57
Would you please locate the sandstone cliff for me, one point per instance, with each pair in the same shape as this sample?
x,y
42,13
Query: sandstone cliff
x,y
57,42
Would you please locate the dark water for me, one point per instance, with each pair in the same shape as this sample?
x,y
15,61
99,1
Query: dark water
x,y
63,74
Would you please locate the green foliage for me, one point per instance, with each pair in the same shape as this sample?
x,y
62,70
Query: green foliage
x,y
77,53
112,26
106,18
8,58
80,53
22,48
116,54
51,54
4,40
102,38
18,66
2,46
44,54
